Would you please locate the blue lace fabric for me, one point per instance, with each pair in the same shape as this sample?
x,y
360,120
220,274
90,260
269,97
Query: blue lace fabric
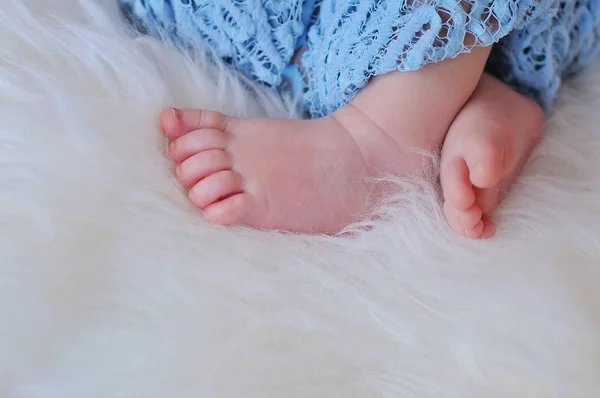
x,y
343,43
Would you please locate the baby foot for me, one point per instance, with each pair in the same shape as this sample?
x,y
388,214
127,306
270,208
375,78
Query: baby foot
x,y
316,176
307,176
485,149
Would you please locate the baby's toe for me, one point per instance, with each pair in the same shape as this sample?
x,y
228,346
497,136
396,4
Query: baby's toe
x,y
475,231
456,187
177,122
465,222
169,123
485,156
488,229
215,187
195,142
488,198
230,210
470,217
202,165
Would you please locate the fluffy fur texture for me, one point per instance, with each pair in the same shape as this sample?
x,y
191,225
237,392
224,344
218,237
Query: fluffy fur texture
x,y
112,285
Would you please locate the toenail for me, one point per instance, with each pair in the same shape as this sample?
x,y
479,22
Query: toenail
x,y
166,124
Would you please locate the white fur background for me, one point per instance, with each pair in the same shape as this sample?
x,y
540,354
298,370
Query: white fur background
x,y
112,286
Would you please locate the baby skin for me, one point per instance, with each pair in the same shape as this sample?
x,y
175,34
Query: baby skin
x,y
319,176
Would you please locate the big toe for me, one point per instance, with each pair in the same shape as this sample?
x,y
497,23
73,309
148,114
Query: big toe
x,y
486,157
456,186
176,122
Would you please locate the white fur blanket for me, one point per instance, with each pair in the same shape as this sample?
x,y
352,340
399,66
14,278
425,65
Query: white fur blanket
x,y
113,286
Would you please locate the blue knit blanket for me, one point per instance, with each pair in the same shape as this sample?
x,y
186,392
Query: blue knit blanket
x,y
346,42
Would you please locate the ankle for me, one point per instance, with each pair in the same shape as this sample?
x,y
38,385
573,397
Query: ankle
x,y
384,151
